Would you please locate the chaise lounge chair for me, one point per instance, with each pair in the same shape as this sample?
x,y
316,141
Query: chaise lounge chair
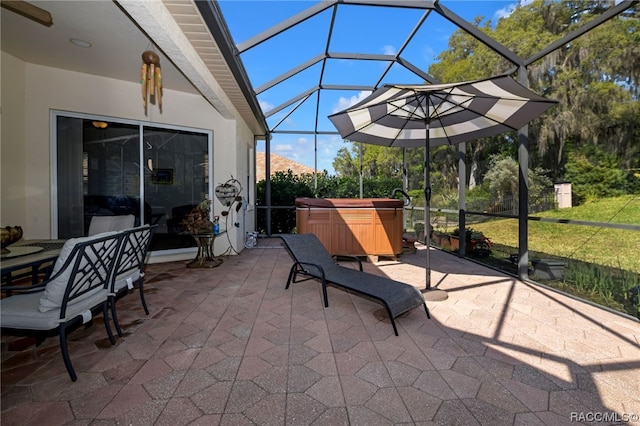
x,y
312,260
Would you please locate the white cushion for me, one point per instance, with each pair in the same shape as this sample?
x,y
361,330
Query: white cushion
x,y
100,224
21,311
54,290
121,280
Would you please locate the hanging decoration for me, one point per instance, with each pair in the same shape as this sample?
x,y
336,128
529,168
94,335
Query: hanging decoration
x,y
151,78
227,192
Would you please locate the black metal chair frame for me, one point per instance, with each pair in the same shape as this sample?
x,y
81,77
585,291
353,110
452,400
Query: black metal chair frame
x,y
313,261
91,263
131,260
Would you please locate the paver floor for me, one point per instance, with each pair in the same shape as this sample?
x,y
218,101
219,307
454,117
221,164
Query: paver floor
x,y
231,346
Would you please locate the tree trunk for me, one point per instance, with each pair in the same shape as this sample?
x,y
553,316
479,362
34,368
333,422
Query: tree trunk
x,y
473,169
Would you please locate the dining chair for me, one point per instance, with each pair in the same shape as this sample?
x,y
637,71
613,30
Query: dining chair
x,y
100,224
78,287
129,269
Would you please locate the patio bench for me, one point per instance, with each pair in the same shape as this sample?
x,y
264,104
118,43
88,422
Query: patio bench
x,y
312,260
129,268
78,286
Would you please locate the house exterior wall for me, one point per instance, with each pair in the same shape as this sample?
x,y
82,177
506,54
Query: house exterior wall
x,y
30,92
13,186
246,175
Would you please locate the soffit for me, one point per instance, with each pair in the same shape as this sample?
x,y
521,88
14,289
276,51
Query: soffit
x,y
190,21
118,38
223,89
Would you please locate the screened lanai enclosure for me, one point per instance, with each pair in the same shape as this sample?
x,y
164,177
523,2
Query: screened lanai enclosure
x,y
339,59
284,67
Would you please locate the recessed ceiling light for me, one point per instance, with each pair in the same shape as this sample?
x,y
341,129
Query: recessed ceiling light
x,y
79,43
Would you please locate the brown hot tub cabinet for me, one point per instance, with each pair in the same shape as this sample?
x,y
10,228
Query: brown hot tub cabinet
x,y
356,227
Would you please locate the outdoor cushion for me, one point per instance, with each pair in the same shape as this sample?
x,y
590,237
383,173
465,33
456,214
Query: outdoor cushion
x,y
78,286
55,288
21,311
122,281
101,224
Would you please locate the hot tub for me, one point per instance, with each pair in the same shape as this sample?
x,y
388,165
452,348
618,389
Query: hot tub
x,y
356,227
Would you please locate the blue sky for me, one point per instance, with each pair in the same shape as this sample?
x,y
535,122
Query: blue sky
x,y
371,30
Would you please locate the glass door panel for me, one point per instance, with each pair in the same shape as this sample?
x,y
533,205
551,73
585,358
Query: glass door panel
x,y
97,171
177,181
104,168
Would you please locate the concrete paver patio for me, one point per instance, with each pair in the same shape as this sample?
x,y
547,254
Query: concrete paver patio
x,y
231,346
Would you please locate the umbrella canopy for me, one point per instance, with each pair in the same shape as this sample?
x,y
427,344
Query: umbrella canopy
x,y
396,115
438,114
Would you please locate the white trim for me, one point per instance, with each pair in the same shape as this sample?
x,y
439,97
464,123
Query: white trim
x,y
54,114
53,167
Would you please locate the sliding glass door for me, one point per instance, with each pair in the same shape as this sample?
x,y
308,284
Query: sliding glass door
x,y
105,168
176,180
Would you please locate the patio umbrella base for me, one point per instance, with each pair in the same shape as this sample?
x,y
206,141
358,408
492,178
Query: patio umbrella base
x,y
434,295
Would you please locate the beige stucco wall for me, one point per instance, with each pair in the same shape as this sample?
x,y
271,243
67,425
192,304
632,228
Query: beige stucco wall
x,y
30,92
247,177
12,153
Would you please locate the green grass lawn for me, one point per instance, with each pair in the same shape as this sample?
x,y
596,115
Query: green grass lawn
x,y
601,265
602,246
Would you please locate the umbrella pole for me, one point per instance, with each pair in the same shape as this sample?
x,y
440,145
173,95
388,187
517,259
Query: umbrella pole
x,y
432,295
427,211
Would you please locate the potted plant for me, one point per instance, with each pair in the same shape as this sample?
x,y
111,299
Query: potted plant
x,y
419,230
418,227
198,221
440,239
476,244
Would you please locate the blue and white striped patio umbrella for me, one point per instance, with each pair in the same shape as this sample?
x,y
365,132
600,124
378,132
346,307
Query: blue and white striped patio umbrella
x,y
439,114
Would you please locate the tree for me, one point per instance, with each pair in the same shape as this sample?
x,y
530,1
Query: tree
x,y
285,187
594,78
595,175
380,162
502,181
502,177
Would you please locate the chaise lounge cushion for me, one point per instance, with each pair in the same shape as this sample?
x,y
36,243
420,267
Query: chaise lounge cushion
x,y
54,290
399,297
313,260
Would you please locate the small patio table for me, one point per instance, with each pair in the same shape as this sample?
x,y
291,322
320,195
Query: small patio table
x,y
30,254
205,257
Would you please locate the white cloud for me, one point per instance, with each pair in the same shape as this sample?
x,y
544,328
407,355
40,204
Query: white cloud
x,y
429,54
283,148
505,12
389,50
266,106
344,103
303,141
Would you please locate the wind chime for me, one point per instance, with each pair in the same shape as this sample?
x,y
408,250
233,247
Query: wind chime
x,y
151,78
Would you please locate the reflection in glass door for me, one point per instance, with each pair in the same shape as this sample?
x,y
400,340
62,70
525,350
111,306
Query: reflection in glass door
x,y
177,181
104,168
